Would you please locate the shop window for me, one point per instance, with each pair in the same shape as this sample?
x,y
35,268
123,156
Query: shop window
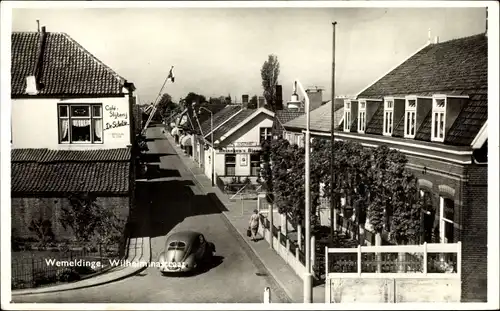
x,y
254,164
80,124
230,164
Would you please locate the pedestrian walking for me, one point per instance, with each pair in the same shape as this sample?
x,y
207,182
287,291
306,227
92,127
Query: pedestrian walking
x,y
253,224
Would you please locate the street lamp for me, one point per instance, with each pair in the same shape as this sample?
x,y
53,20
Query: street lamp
x,y
212,140
308,292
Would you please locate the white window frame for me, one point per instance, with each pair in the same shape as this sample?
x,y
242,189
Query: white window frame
x,y
232,163
92,117
443,220
347,116
362,116
440,114
388,111
268,133
409,112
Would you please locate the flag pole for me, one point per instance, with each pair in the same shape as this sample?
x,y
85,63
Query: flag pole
x,y
333,201
153,111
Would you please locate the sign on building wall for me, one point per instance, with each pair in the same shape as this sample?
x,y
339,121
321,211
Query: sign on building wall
x,y
239,150
244,144
117,120
243,160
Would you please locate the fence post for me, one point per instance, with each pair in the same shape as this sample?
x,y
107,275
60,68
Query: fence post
x,y
313,252
459,259
271,225
32,270
299,236
425,258
328,289
359,259
267,295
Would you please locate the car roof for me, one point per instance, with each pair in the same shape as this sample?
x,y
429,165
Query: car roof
x,y
185,236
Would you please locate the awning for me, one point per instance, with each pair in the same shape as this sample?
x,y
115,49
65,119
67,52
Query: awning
x,y
187,141
175,131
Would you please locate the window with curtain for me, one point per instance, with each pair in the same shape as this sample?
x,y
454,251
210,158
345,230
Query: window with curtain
x,y
230,164
80,124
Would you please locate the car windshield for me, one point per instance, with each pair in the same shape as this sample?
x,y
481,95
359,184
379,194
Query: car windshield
x,y
176,245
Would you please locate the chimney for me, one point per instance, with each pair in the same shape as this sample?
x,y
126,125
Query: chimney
x,y
244,101
436,39
315,98
279,97
32,82
261,102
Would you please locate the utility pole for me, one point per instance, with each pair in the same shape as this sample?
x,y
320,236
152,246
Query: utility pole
x,y
333,201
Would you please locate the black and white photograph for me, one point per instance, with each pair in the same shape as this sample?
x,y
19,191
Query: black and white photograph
x,y
244,154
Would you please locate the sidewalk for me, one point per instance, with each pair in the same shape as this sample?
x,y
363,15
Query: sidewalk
x,y
238,215
138,252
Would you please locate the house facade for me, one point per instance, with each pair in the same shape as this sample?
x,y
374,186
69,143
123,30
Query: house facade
x,y
237,135
74,122
433,107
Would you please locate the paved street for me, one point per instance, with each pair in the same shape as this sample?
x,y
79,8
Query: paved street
x,y
171,201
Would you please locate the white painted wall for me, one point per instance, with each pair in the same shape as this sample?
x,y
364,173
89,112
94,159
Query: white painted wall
x,y
35,123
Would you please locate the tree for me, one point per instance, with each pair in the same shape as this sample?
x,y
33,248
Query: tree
x,y
253,103
89,221
269,73
192,97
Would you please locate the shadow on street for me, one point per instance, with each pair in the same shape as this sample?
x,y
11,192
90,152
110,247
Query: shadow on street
x,y
161,205
154,171
153,157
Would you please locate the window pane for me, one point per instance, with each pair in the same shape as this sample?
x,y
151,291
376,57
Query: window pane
x,y
448,232
230,170
441,125
412,127
63,111
440,103
412,103
80,130
408,121
449,209
96,111
97,130
80,111
64,130
436,124
255,157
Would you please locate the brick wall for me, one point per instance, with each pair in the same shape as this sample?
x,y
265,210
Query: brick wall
x,y
475,235
25,209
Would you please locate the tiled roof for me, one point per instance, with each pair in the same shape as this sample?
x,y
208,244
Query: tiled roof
x,y
220,117
66,67
376,123
48,171
233,122
452,66
282,117
49,155
203,115
320,119
424,131
455,67
399,127
33,177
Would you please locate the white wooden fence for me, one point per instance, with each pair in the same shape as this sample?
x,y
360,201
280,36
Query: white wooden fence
x,y
420,277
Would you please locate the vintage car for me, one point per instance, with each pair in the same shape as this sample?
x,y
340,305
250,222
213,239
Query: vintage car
x,y
185,251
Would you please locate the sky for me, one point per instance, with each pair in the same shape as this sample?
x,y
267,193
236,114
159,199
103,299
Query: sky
x,y
220,51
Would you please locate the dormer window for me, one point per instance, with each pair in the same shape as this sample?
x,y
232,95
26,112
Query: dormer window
x,y
388,116
410,117
362,117
347,116
438,118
